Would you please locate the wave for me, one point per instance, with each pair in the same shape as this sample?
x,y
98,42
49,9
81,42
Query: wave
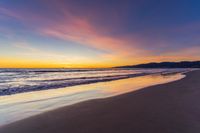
x,y
60,83
13,81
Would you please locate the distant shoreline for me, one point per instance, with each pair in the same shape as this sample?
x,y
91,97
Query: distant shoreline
x,y
182,64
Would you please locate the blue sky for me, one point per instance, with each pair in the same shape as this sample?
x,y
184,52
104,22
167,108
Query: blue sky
x,y
97,33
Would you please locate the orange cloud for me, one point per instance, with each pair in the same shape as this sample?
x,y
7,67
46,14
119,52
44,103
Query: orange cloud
x,y
79,29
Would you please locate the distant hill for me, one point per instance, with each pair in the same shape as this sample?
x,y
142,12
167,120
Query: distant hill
x,y
183,64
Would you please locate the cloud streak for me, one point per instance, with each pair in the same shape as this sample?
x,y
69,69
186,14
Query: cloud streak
x,y
124,32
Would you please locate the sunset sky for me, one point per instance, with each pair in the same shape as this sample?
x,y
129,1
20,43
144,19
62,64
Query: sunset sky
x,y
97,33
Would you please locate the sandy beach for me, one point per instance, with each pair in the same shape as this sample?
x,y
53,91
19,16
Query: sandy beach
x,y
168,108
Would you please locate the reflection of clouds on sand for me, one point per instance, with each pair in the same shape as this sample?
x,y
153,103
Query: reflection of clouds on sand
x,y
133,84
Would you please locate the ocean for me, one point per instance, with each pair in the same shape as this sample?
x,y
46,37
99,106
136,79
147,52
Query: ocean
x,y
28,92
14,81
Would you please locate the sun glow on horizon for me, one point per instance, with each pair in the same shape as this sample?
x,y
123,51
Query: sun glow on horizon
x,y
97,35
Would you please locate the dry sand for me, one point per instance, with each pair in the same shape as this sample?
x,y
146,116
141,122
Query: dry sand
x,y
168,108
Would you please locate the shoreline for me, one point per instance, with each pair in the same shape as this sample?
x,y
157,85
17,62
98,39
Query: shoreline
x,y
14,91
80,81
21,106
99,115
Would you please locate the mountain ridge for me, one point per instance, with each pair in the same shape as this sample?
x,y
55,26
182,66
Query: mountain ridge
x,y
181,64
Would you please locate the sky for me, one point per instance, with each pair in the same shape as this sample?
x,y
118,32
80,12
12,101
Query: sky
x,y
97,33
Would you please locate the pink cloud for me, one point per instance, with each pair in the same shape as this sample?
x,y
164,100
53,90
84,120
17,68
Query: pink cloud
x,y
82,30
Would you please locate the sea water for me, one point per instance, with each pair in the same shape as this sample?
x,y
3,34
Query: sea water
x,y
28,92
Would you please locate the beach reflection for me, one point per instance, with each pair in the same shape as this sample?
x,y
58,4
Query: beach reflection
x,y
133,84
19,106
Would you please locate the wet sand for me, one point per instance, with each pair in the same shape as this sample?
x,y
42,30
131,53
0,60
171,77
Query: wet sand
x,y
168,108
